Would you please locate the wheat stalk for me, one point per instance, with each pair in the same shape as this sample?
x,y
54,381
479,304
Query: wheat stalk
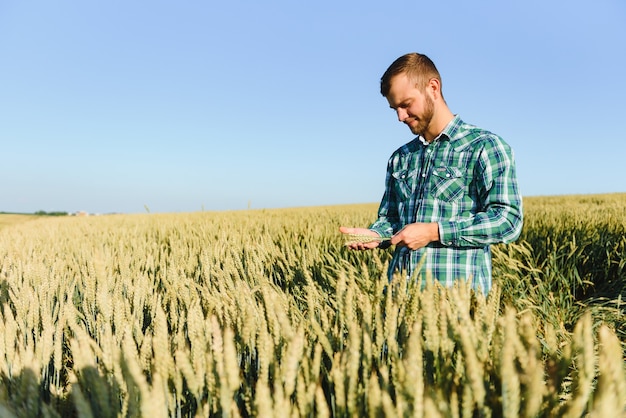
x,y
611,393
364,239
510,378
584,360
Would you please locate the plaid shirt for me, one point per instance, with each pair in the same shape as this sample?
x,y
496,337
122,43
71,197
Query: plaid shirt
x,y
465,181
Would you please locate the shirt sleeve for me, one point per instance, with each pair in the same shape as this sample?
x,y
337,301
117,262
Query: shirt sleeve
x,y
388,221
500,217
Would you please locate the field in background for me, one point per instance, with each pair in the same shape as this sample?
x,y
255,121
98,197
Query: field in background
x,y
7,219
266,313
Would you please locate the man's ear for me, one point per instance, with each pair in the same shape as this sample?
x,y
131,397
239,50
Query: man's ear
x,y
434,87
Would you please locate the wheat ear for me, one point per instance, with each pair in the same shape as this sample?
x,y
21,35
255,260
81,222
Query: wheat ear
x,y
364,239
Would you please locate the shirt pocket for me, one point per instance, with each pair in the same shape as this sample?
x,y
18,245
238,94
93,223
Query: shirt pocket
x,y
448,183
403,183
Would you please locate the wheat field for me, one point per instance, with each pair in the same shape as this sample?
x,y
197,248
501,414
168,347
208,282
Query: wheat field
x,y
266,313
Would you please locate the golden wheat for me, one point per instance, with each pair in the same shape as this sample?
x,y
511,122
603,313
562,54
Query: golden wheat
x,y
266,313
363,239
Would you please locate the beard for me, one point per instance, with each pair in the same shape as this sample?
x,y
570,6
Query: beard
x,y
423,122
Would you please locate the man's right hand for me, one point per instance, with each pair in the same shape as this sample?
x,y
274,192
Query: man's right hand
x,y
360,231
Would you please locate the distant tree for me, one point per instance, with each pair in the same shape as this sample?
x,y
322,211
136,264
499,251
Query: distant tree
x,y
44,213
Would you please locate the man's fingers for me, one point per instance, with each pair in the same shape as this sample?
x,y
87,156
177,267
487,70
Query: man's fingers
x,y
357,231
396,238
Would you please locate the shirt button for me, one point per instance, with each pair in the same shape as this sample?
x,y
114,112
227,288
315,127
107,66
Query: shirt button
x,y
447,174
424,175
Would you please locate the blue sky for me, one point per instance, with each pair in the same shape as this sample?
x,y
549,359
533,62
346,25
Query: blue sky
x,y
115,106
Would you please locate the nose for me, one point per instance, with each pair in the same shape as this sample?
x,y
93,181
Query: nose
x,y
402,114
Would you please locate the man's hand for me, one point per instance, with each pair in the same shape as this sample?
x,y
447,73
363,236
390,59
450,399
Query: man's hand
x,y
360,231
416,235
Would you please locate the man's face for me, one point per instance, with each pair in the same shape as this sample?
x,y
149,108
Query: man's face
x,y
414,107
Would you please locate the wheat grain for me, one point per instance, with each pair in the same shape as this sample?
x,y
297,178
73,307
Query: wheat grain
x,y
351,239
292,361
263,400
160,344
321,406
532,368
353,364
414,364
187,370
374,396
585,364
510,379
610,399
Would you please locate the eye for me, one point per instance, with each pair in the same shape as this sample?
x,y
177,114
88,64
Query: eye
x,y
403,105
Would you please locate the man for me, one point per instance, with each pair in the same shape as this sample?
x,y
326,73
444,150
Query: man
x,y
450,193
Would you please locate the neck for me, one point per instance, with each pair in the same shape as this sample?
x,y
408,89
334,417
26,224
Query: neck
x,y
439,121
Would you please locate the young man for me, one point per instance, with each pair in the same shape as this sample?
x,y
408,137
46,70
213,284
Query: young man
x,y
450,193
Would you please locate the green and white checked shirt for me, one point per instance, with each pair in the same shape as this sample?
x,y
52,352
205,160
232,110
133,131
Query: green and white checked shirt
x,y
465,181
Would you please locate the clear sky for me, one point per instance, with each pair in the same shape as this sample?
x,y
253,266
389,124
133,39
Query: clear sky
x,y
180,106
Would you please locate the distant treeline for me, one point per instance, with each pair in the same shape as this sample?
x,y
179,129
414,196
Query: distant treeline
x,y
44,213
39,213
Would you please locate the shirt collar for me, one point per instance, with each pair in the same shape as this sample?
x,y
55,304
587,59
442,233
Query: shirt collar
x,y
448,133
451,129
423,141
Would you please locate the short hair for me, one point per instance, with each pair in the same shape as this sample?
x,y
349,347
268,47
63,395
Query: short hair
x,y
416,66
